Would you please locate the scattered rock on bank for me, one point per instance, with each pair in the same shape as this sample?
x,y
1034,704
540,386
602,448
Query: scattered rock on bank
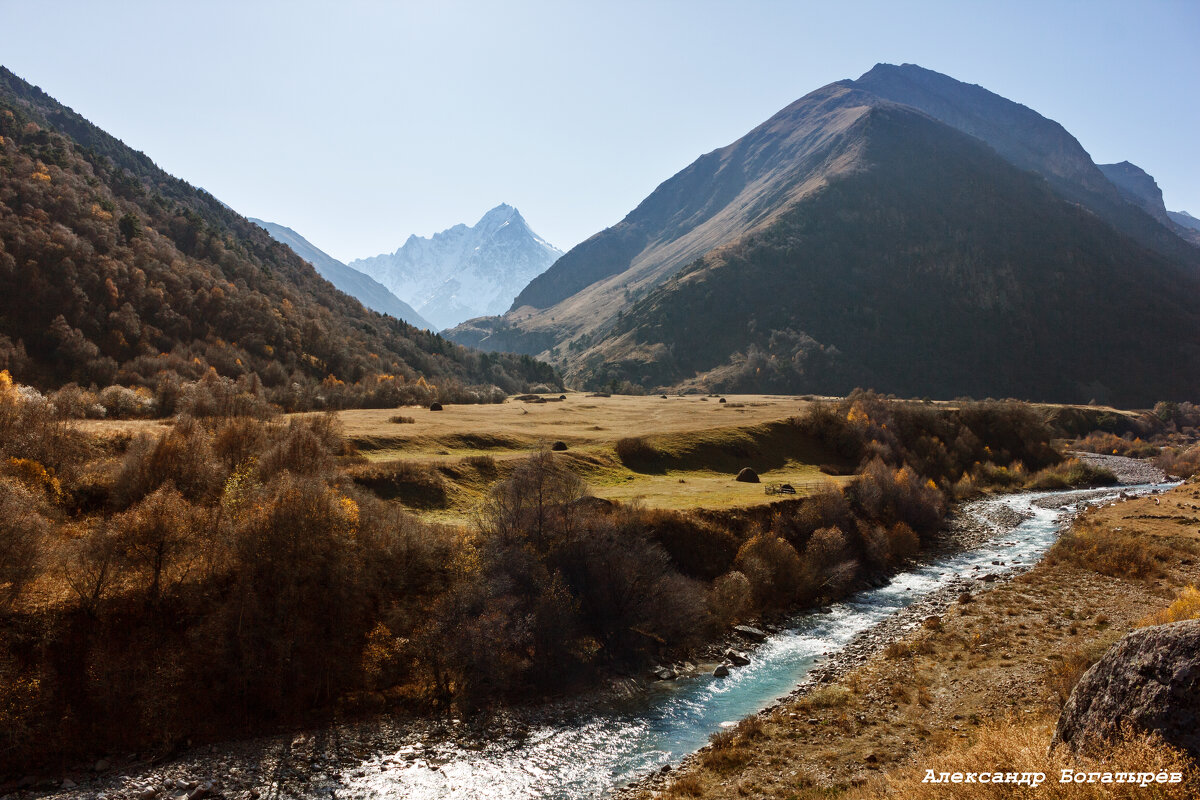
x,y
750,633
1129,471
1150,679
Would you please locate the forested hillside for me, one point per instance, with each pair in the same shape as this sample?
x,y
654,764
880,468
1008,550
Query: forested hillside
x,y
114,272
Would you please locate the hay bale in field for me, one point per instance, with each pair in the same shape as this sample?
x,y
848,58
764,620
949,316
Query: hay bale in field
x,y
747,475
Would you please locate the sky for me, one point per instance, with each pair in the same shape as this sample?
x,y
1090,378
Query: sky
x,y
359,123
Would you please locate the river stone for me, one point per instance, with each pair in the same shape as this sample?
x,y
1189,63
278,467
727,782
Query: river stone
x,y
749,632
736,658
721,671
1149,679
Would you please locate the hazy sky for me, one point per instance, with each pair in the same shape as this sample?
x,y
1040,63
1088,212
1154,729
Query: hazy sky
x,y
358,123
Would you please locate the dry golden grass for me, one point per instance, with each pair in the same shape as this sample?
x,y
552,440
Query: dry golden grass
x,y
1064,674
579,420
690,448
1185,606
1108,550
1021,746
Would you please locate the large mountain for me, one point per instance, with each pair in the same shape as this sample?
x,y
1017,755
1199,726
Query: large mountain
x,y
464,272
368,291
904,231
111,270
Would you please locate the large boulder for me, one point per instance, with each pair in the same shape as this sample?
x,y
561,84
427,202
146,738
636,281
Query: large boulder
x,y
1150,679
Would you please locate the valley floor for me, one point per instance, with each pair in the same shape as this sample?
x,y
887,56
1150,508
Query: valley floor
x,y
1005,657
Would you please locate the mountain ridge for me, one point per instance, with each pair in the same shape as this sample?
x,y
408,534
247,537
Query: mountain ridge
x,y
362,287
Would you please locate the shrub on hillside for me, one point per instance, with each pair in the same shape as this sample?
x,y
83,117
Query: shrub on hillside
x,y
23,534
898,495
1111,444
1183,462
1185,606
1071,474
775,571
730,596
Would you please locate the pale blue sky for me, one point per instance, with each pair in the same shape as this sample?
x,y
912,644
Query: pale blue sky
x,y
358,123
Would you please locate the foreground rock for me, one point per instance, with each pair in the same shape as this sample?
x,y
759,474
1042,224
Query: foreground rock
x,y
1150,679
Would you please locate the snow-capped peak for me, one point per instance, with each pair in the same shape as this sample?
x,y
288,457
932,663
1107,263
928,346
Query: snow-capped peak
x,y
465,272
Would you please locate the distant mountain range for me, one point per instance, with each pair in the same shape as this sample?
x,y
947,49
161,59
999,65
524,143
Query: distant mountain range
x,y
903,231
464,272
368,291
1184,219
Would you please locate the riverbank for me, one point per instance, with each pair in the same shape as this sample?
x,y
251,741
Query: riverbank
x,y
955,671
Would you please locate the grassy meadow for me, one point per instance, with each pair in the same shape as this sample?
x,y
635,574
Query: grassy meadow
x,y
446,460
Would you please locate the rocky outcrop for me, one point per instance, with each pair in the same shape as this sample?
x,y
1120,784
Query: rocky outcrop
x,y
1150,680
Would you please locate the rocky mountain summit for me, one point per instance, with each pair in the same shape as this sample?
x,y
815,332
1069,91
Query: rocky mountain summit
x,y
464,271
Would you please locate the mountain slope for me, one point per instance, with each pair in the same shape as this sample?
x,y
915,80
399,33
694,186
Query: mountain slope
x,y
112,270
716,200
1029,141
463,271
935,269
368,291
1138,187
